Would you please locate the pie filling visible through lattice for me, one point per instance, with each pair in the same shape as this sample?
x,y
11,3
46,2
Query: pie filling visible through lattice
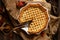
x,y
39,19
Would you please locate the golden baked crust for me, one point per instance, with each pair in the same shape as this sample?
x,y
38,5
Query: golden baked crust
x,y
37,14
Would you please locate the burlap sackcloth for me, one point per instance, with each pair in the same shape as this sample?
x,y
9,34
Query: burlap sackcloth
x,y
47,34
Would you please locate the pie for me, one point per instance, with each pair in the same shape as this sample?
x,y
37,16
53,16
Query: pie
x,y
37,14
